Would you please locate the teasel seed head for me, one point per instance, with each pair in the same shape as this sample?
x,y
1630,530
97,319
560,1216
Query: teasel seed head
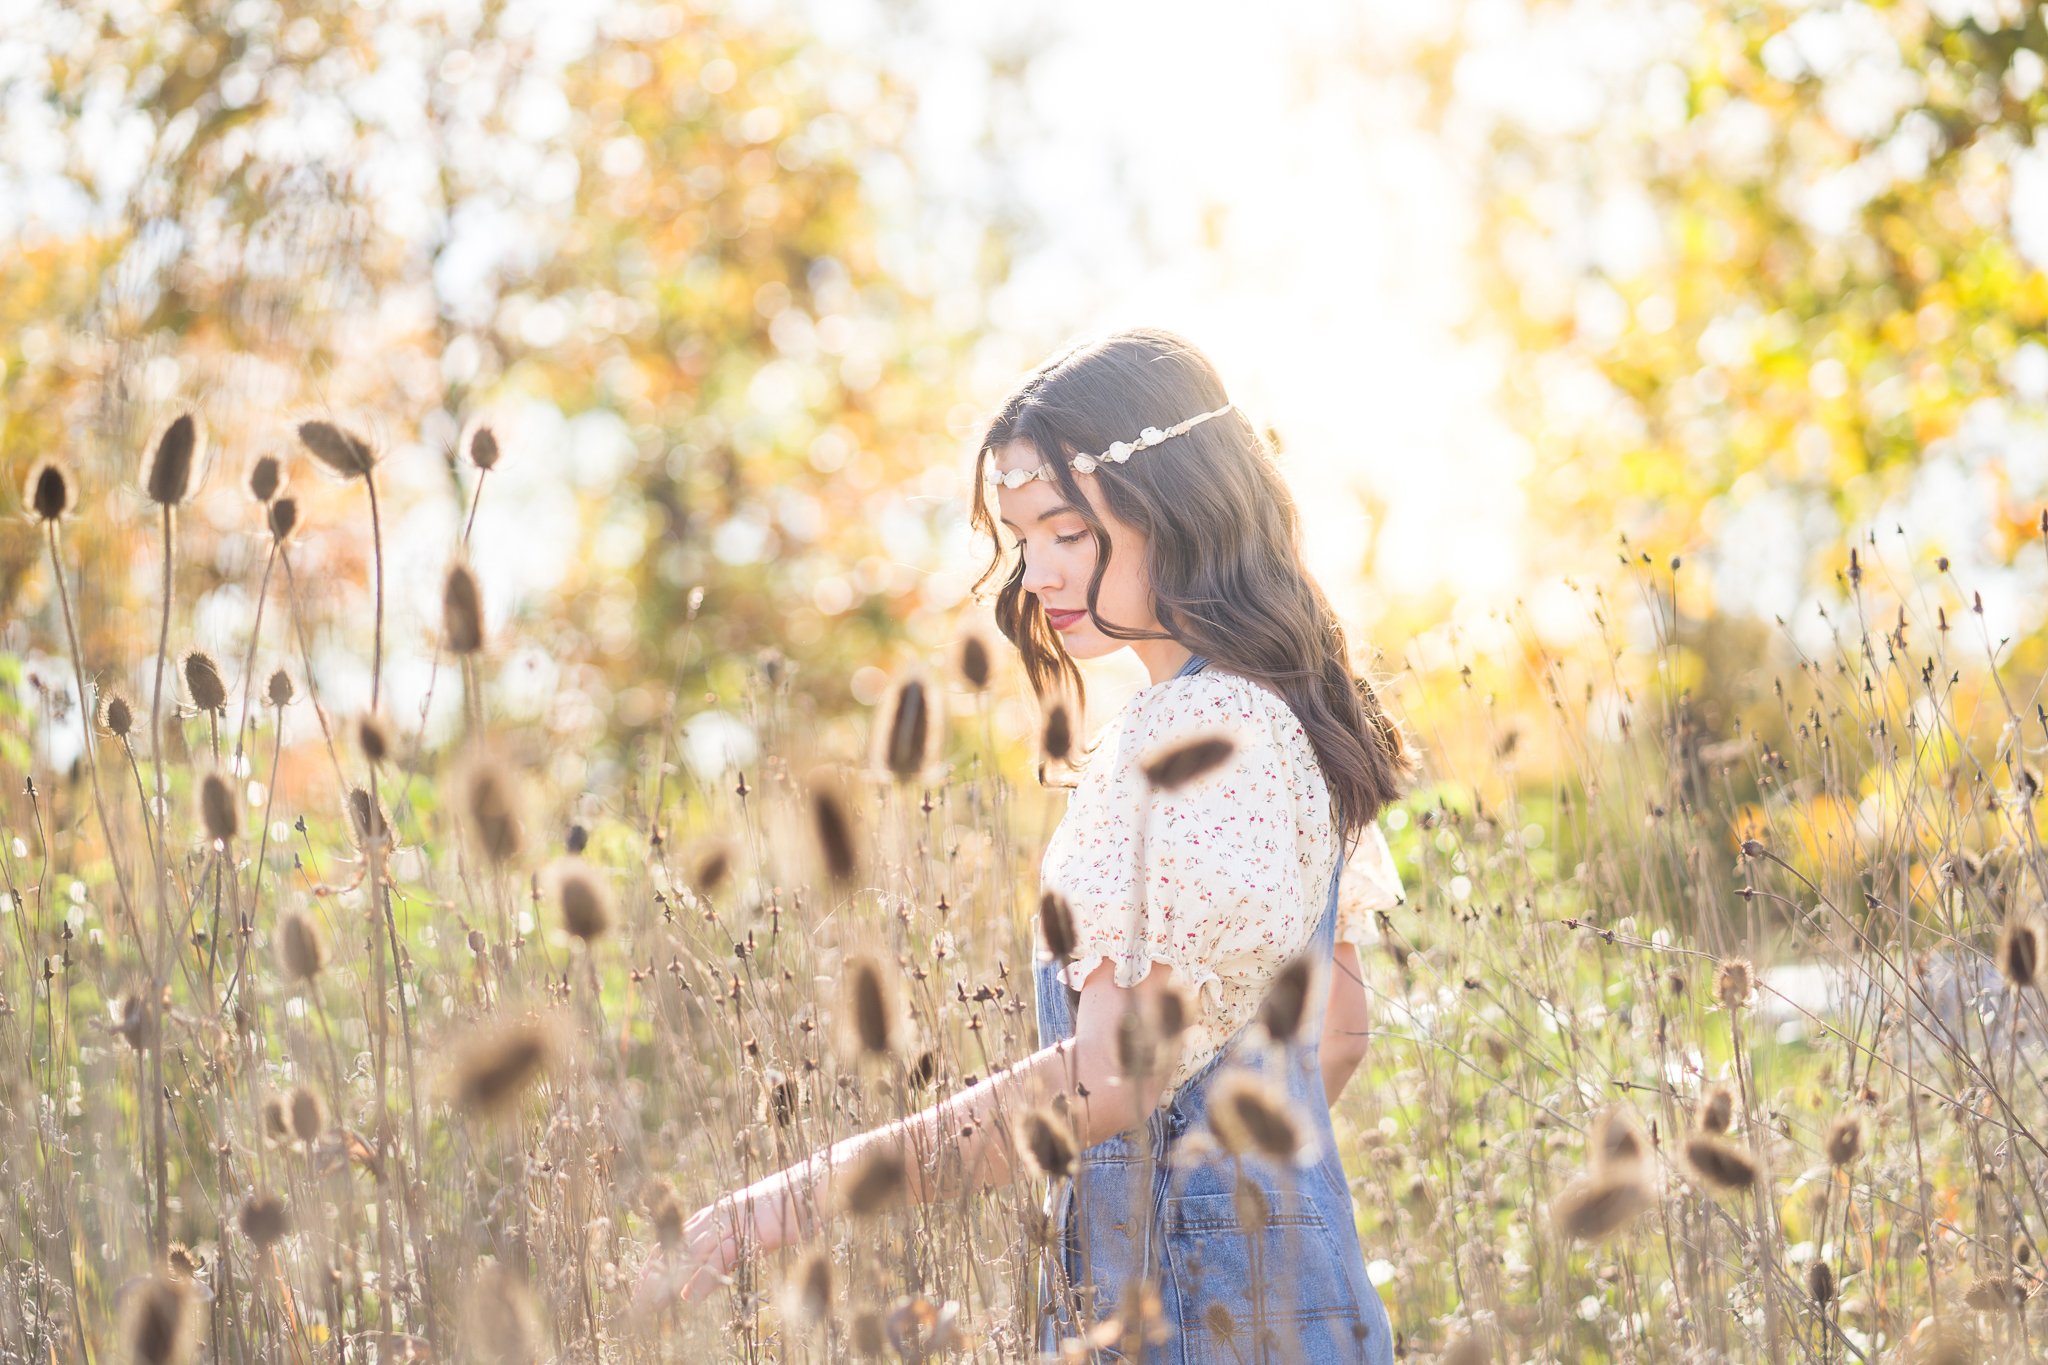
x,y
341,450
491,798
264,1219
807,1293
834,828
494,1068
301,951
181,1262
711,867
1046,1142
1286,1004
280,689
1716,1112
48,490
1172,1011
373,737
1734,983
2019,950
1188,761
869,1012
116,715
307,1114
277,1120
219,813
366,819
1719,1164
1056,926
909,730
869,1334
169,477
1059,733
875,1181
668,1216
1137,1046
483,448
975,665
1993,1293
582,897
501,1318
203,681
1820,1283
159,1321
283,516
1249,1118
266,476
1220,1321
1593,1208
1618,1141
462,610
1844,1141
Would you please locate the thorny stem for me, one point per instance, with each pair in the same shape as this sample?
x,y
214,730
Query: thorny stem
x,y
160,1232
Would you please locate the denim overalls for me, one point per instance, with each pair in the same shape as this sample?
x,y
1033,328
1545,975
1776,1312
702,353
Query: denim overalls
x,y
1297,1291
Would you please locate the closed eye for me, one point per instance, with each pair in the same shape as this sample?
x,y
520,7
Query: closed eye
x,y
1068,540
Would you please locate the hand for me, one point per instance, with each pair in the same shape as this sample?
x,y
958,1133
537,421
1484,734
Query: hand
x,y
701,1260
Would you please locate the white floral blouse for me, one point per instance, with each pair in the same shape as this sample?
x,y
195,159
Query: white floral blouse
x,y
1238,861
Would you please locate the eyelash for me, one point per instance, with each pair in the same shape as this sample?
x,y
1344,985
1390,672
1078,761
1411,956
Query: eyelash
x,y
1068,540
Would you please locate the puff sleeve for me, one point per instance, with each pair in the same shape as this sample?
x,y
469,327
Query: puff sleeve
x,y
1368,882
1233,864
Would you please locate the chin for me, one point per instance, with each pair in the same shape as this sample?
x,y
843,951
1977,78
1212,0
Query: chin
x,y
1089,644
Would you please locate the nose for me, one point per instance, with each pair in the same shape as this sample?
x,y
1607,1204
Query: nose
x,y
1038,577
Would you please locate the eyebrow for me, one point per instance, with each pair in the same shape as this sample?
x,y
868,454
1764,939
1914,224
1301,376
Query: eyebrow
x,y
1046,515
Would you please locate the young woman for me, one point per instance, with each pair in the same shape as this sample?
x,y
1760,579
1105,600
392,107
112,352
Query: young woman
x,y
1140,508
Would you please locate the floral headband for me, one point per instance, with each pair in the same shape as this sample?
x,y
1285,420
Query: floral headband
x,y
1116,454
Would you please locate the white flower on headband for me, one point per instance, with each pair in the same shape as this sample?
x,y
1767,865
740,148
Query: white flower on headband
x,y
1117,453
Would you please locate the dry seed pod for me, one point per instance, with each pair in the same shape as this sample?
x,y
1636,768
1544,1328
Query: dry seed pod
x,y
307,1114
373,737
219,814
2019,951
975,666
712,866
462,610
909,730
483,448
1056,925
1820,1283
277,1121
1617,1141
869,1012
1717,1109
494,1068
1137,1046
203,681
264,1219
283,517
1844,1142
1188,761
266,476
159,1321
876,1181
48,491
834,828
1250,1118
1719,1164
491,799
583,898
1734,983
301,952
1046,1142
1597,1207
1172,1010
116,715
807,1293
169,477
342,451
1286,1004
1059,733
366,819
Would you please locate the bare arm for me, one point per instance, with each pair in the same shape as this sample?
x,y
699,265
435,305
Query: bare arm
x,y
974,1126
1345,1023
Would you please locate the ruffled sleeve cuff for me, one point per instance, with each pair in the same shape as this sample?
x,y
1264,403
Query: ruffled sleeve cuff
x,y
1368,883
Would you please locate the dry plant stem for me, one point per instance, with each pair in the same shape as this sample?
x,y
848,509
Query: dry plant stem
x,y
160,1230
377,568
249,662
92,765
306,658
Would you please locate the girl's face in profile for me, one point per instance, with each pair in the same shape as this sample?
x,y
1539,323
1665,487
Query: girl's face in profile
x,y
1059,558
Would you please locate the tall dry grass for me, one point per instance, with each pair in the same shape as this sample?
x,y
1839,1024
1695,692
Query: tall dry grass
x,y
424,1058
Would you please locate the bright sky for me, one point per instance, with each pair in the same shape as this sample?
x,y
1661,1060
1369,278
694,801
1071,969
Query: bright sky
x,y
1328,290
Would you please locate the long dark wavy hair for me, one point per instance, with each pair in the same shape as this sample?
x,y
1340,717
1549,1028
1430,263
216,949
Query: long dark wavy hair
x,y
1223,548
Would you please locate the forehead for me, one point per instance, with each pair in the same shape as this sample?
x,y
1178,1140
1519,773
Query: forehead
x,y
1024,505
